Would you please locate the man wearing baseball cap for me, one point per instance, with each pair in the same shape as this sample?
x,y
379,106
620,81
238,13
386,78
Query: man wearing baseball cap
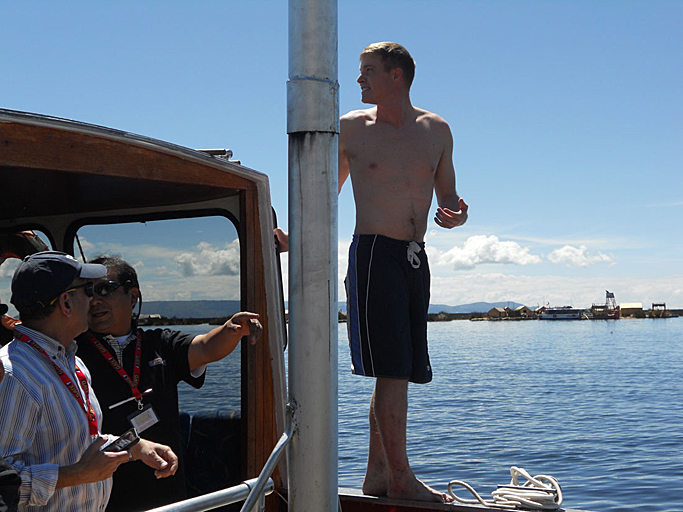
x,y
49,414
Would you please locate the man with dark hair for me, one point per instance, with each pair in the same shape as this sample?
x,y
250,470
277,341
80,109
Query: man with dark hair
x,y
397,156
50,418
138,372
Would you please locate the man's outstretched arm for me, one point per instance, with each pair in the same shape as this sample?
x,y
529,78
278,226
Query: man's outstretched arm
x,y
219,342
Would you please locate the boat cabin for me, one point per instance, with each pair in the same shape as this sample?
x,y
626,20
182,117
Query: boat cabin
x,y
79,184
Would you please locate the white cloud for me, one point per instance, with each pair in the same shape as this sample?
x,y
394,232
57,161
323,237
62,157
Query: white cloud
x,y
8,267
578,256
133,252
86,245
192,288
210,261
480,249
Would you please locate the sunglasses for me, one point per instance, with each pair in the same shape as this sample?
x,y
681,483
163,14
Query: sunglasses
x,y
88,288
106,287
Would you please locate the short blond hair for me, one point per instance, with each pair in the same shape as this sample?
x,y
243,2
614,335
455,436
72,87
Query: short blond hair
x,y
393,56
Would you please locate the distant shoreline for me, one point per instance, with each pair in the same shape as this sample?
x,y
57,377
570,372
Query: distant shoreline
x,y
157,320
161,320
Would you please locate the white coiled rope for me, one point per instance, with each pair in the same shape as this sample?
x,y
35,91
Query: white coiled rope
x,y
540,492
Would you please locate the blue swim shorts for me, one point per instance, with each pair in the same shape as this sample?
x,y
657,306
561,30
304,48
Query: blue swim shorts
x,y
387,297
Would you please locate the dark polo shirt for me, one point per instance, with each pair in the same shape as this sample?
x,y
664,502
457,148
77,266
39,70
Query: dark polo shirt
x,y
164,363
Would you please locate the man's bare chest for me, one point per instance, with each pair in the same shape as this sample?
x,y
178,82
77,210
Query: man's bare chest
x,y
392,155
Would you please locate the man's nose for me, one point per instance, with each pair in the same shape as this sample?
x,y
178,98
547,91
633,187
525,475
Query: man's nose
x,y
360,78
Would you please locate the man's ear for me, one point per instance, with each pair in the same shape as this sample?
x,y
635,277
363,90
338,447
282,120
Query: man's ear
x,y
64,304
134,296
397,74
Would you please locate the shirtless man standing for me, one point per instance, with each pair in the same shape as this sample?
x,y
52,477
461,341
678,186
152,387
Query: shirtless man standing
x,y
397,156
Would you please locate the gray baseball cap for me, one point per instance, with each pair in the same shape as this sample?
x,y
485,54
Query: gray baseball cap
x,y
42,276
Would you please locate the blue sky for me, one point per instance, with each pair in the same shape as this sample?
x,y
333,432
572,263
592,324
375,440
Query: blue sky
x,y
567,120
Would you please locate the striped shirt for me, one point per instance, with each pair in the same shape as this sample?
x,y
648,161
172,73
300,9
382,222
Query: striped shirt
x,y
43,427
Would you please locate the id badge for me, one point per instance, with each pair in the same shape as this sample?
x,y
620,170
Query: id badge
x,y
144,418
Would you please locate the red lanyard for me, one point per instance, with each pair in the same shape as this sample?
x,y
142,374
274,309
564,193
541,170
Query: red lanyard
x,y
119,369
68,382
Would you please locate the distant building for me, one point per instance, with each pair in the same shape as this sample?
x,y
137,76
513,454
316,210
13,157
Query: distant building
x,y
522,311
153,316
153,319
497,313
631,309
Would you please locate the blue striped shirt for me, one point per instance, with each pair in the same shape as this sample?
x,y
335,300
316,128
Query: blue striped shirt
x,y
43,427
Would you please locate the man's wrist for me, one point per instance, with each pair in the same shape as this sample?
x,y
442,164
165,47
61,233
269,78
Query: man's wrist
x,y
135,452
67,476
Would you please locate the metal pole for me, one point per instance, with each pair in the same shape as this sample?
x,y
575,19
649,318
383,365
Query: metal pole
x,y
313,125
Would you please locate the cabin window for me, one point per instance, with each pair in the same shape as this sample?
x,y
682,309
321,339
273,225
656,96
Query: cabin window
x,y
189,274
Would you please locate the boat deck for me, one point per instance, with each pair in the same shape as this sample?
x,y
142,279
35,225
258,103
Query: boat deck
x,y
353,500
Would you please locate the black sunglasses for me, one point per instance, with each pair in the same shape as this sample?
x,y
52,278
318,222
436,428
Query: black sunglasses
x,y
88,288
106,287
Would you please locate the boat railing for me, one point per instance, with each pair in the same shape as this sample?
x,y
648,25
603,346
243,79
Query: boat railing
x,y
256,495
217,499
253,491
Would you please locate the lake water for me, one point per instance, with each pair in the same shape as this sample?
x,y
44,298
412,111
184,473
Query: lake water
x,y
596,404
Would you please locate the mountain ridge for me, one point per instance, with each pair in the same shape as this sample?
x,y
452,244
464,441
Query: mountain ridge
x,y
226,308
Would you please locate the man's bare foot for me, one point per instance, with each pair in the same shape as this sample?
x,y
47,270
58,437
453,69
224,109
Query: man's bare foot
x,y
376,483
418,491
378,491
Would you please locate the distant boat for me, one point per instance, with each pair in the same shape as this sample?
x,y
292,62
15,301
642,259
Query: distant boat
x,y
564,313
